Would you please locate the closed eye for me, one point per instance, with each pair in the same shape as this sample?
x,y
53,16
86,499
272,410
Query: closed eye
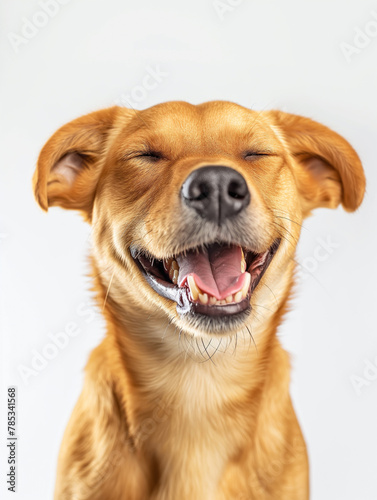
x,y
252,155
148,155
152,155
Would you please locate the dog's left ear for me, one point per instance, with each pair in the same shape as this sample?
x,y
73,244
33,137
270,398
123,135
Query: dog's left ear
x,y
329,170
70,163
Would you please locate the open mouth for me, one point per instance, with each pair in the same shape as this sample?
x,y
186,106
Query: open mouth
x,y
213,280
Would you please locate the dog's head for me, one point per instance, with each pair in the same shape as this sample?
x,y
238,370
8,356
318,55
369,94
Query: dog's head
x,y
196,210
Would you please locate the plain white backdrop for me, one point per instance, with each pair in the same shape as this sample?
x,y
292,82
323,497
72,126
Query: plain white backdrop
x,y
315,58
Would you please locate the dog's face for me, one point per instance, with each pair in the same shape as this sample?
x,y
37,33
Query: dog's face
x,y
196,210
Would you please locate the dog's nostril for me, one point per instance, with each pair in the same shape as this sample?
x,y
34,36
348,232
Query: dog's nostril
x,y
237,190
200,191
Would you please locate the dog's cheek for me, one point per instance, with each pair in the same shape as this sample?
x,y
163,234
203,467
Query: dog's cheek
x,y
129,183
279,193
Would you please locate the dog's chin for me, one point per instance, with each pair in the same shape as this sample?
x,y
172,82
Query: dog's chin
x,y
205,326
212,285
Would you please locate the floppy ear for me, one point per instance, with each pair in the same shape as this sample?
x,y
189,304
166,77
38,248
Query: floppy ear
x,y
329,170
69,164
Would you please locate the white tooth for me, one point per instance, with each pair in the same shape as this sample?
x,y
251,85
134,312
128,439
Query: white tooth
x,y
246,285
171,273
174,265
229,299
243,262
175,277
212,300
194,290
203,298
238,297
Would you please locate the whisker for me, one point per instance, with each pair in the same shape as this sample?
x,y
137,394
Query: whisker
x,y
287,231
201,353
104,270
264,307
108,290
235,344
287,239
192,348
218,345
264,284
293,222
248,349
255,345
259,316
167,326
205,348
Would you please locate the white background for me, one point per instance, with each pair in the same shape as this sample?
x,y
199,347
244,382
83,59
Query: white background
x,y
261,54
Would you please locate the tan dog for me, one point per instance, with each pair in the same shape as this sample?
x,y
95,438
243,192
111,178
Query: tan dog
x,y
196,212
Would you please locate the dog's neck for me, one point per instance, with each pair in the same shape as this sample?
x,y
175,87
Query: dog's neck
x,y
194,404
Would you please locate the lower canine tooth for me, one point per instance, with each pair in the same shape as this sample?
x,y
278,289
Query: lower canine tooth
x,y
203,298
237,297
193,288
246,285
175,277
243,262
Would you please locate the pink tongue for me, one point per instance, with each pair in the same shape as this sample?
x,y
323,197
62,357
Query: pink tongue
x,y
216,270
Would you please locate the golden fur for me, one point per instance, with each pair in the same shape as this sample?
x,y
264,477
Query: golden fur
x,y
171,410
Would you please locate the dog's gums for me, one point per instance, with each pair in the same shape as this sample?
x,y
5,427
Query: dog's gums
x,y
213,280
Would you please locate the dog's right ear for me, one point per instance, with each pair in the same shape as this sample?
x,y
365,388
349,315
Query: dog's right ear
x,y
69,164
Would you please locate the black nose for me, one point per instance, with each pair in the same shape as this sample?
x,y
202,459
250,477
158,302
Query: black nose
x,y
215,192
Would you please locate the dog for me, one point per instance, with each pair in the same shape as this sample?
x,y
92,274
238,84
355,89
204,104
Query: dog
x,y
195,211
